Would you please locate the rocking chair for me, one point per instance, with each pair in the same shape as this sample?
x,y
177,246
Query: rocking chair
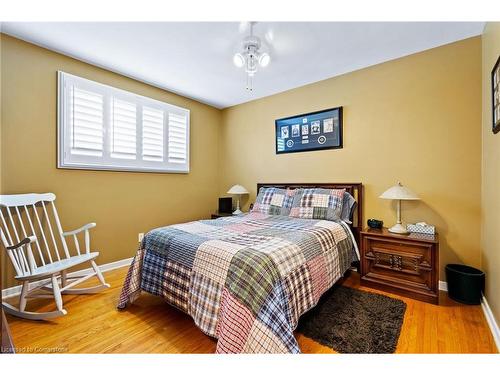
x,y
32,245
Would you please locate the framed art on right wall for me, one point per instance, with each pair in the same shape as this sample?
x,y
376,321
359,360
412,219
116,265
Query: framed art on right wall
x,y
495,96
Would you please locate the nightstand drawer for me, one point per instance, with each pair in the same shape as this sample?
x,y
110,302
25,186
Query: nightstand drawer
x,y
398,267
406,257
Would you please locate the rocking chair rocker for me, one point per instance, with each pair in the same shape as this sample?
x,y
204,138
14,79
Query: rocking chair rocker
x,y
24,222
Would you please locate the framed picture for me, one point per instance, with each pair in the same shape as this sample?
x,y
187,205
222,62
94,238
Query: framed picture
x,y
319,130
495,96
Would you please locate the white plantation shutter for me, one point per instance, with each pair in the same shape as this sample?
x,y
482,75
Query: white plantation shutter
x,y
101,127
123,129
177,138
152,134
86,111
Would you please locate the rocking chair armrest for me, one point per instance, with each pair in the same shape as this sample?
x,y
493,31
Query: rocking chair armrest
x,y
76,231
23,242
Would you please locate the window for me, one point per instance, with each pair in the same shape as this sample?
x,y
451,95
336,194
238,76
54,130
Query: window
x,y
101,127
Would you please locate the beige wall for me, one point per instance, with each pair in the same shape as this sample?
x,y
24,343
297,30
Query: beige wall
x,y
415,119
121,203
490,257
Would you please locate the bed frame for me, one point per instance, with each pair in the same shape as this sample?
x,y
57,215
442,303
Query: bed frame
x,y
355,189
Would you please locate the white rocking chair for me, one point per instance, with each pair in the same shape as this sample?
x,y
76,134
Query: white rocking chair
x,y
24,222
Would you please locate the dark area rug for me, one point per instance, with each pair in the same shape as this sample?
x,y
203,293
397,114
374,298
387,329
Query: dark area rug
x,y
353,321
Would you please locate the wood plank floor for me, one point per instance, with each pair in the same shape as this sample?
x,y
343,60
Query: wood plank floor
x,y
93,325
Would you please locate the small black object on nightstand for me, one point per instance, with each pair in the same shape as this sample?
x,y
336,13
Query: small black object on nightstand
x,y
375,224
225,205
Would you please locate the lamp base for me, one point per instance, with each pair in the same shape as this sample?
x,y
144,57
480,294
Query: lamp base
x,y
237,212
399,229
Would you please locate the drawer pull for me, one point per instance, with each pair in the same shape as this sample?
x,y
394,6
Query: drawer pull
x,y
396,262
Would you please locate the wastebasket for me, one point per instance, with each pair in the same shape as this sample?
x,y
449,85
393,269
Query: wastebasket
x,y
465,283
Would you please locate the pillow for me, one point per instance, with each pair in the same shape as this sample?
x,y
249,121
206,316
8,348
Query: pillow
x,y
348,205
274,201
325,204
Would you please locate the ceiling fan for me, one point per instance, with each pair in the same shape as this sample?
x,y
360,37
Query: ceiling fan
x,y
251,57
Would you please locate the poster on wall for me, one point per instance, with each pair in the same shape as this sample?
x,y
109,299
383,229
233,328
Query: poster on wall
x,y
319,130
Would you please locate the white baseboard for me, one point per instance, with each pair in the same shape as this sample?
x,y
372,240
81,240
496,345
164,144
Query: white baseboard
x,y
443,285
16,290
490,318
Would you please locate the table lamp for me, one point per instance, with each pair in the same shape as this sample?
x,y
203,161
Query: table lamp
x,y
399,193
237,190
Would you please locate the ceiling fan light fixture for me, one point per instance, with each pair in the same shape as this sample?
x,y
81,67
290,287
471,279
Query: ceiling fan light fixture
x,y
238,60
264,59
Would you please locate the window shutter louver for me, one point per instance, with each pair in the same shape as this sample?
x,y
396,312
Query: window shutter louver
x,y
86,117
104,128
177,138
152,134
124,129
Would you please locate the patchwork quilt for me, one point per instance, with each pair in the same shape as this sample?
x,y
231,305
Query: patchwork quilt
x,y
245,280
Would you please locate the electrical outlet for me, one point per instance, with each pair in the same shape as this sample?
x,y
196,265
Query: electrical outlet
x,y
141,236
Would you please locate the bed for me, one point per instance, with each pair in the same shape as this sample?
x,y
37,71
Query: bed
x,y
246,280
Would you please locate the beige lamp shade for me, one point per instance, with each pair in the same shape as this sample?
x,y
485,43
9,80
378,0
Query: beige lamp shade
x,y
237,189
399,192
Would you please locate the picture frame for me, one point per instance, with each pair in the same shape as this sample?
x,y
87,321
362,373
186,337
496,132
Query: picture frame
x,y
319,130
495,96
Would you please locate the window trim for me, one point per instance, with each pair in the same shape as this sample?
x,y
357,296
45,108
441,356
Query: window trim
x,y
63,142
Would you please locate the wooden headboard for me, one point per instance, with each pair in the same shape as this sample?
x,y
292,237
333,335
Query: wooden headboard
x,y
355,189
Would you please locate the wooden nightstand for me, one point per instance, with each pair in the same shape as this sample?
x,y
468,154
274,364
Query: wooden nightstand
x,y
220,214
402,264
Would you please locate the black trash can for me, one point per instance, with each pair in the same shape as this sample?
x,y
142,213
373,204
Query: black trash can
x,y
465,283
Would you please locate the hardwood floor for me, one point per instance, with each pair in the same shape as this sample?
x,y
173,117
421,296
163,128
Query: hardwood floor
x,y
93,325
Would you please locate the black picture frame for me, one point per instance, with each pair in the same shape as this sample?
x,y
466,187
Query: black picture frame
x,y
333,139
495,97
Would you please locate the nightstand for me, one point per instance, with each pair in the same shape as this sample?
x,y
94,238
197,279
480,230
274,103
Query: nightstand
x,y
401,264
220,214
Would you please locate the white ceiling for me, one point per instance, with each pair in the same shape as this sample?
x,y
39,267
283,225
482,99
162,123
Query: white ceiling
x,y
194,59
